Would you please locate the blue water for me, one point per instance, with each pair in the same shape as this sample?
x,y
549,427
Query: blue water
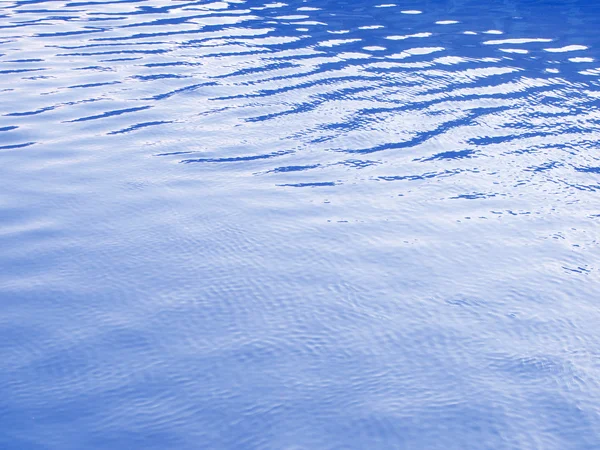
x,y
299,225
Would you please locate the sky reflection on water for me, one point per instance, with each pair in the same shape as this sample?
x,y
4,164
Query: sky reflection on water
x,y
311,224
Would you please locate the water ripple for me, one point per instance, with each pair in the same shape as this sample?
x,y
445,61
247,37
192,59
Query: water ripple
x,y
316,224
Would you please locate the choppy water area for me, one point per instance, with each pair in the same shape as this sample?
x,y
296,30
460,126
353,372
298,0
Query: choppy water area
x,y
300,225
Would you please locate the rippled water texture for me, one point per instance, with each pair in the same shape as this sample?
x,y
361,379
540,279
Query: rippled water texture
x,y
306,225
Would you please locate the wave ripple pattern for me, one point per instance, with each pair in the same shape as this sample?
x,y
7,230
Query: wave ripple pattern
x,y
307,224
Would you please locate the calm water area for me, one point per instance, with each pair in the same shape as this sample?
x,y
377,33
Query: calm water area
x,y
299,224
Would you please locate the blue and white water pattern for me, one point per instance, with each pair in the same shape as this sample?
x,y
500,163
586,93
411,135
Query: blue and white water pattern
x,y
318,224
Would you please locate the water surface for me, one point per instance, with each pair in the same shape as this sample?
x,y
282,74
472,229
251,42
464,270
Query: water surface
x,y
299,225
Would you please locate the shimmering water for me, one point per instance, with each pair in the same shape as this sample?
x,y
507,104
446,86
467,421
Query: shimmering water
x,y
302,225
